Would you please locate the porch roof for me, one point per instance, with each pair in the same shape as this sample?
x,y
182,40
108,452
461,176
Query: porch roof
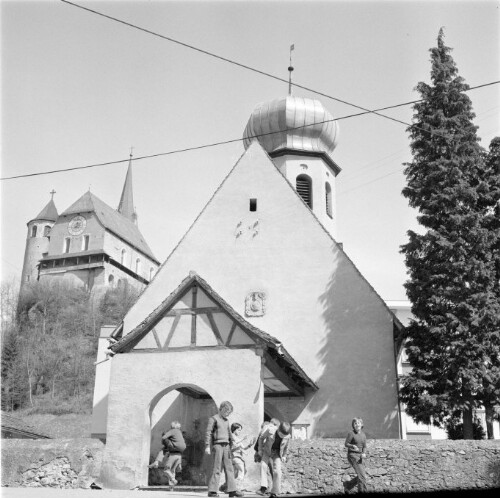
x,y
274,348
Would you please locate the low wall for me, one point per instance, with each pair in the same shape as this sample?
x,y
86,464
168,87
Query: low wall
x,y
57,463
316,466
320,466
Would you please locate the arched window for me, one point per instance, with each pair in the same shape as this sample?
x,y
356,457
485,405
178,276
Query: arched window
x,y
328,192
151,273
85,242
111,280
67,242
46,230
33,231
304,189
137,265
122,260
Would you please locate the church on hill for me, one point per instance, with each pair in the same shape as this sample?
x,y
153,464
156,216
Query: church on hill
x,y
90,244
257,304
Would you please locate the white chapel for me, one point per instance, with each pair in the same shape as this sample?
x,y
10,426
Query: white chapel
x,y
257,304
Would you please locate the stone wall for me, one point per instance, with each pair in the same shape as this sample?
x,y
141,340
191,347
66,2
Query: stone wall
x,y
57,463
317,466
320,466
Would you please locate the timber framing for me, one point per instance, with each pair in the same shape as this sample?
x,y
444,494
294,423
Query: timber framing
x,y
279,362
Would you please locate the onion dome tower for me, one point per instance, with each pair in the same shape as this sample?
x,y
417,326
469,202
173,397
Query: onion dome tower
x,y
37,241
300,135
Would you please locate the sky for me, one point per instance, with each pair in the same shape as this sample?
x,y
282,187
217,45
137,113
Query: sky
x,y
80,89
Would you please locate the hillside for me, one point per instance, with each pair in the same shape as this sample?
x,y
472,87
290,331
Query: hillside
x,y
68,425
49,346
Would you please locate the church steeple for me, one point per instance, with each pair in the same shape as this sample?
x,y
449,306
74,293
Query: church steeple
x,y
126,205
37,241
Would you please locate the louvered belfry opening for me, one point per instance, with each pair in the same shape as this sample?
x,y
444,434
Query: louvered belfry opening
x,y
328,191
304,189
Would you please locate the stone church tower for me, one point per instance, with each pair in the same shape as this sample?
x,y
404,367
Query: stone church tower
x,y
89,244
37,241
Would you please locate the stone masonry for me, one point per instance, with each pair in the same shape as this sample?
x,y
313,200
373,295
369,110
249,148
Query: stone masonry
x,y
320,466
57,463
313,466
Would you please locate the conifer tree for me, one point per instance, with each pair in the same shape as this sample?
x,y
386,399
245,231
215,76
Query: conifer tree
x,y
451,271
491,393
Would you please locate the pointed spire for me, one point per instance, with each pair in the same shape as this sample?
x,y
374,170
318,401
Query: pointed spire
x,y
126,205
49,212
290,69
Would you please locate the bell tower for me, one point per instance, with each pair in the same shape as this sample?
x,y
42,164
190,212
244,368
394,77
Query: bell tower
x,y
37,241
299,134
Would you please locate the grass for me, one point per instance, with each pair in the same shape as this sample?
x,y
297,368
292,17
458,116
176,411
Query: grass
x,y
67,425
58,418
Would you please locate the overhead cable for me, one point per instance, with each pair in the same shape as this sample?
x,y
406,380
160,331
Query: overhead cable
x,y
244,66
215,144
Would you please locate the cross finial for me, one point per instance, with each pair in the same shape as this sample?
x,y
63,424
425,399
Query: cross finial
x,y
290,69
52,192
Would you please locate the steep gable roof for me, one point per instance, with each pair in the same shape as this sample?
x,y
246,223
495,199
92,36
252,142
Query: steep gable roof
x,y
289,254
48,213
112,220
273,345
255,145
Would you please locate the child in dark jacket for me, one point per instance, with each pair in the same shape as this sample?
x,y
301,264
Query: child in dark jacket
x,y
174,445
356,453
273,449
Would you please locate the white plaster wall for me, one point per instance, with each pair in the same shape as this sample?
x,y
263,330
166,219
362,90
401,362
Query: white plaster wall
x,y
60,232
101,385
114,246
328,317
35,247
292,166
139,380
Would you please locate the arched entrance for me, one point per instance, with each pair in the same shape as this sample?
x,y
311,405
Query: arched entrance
x,y
191,405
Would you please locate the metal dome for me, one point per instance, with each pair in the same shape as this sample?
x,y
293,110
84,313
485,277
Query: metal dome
x,y
293,124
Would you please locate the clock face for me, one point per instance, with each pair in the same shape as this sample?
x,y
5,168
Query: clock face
x,y
77,225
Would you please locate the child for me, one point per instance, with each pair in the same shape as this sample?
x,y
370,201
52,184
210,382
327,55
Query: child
x,y
263,426
174,445
240,445
218,441
356,446
273,448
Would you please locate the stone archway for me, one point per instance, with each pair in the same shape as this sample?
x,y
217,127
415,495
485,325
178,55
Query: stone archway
x,y
139,379
191,406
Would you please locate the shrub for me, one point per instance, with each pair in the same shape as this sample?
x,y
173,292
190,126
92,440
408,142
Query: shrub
x,y
455,429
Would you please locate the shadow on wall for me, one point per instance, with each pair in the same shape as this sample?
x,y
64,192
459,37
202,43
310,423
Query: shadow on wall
x,y
359,376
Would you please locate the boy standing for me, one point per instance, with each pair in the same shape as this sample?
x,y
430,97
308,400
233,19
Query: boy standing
x,y
218,440
273,448
356,447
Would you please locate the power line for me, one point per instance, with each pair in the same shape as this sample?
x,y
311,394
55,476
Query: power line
x,y
342,192
215,144
244,66
239,64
